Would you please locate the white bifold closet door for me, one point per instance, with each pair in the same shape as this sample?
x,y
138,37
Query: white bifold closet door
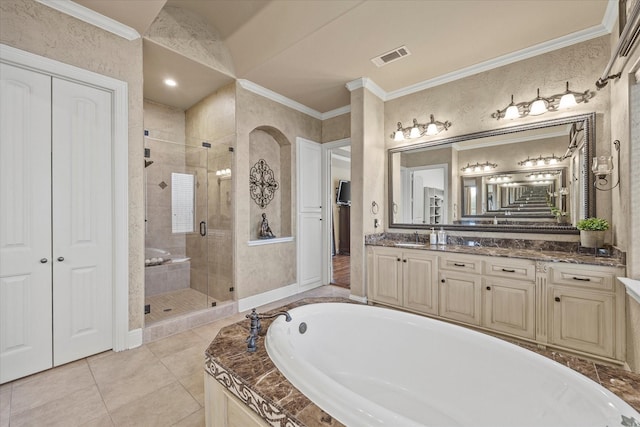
x,y
56,278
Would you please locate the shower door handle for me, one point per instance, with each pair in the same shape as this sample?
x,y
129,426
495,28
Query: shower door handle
x,y
203,228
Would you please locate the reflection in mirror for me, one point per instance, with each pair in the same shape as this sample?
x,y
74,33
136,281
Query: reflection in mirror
x,y
530,177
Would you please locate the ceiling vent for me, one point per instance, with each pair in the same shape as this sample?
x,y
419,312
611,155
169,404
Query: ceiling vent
x,y
391,56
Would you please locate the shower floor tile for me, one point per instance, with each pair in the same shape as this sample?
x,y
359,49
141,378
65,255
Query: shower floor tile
x,y
175,303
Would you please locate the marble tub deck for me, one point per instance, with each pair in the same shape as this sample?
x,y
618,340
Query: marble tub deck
x,y
254,379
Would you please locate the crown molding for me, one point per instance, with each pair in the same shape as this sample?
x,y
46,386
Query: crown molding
x,y
368,84
337,112
92,17
530,52
610,15
269,94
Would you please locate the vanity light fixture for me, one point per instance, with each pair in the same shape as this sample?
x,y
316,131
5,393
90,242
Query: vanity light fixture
x,y
540,104
479,167
541,161
499,178
543,175
417,130
603,167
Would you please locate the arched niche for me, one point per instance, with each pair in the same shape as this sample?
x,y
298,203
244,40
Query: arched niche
x,y
272,146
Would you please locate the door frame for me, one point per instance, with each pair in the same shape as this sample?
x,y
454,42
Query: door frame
x,y
327,203
122,338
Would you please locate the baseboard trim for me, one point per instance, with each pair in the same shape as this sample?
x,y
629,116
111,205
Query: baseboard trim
x,y
359,299
134,339
267,297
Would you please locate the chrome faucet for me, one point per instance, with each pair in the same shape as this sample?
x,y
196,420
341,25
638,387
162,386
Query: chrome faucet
x,y
256,326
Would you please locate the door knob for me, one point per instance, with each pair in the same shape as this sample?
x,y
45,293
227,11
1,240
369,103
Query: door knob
x,y
60,258
44,260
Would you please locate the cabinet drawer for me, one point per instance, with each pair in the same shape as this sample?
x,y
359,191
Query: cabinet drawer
x,y
582,276
461,263
510,268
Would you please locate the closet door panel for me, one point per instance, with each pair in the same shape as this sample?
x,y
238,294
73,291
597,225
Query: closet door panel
x,y
82,221
25,222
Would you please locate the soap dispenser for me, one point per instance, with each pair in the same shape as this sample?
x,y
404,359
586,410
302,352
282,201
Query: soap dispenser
x,y
442,237
433,237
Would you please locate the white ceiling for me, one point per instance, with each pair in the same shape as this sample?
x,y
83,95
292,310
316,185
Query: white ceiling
x,y
307,50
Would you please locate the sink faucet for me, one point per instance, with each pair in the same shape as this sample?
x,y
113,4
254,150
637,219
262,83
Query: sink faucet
x,y
256,326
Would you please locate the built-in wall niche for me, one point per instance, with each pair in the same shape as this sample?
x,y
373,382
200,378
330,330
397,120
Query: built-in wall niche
x,y
268,144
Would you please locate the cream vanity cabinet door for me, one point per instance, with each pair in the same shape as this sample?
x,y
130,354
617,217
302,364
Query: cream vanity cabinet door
x,y
509,296
420,281
586,309
460,288
386,280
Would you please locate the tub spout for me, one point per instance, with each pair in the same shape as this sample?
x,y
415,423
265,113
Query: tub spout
x,y
255,326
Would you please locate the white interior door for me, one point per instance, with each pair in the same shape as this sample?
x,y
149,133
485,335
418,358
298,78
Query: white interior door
x,y
25,222
309,213
82,218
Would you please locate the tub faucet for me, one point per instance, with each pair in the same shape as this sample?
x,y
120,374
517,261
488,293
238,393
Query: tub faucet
x,y
256,326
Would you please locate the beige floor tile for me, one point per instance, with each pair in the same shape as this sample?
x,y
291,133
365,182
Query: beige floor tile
x,y
75,408
5,404
174,344
210,330
186,362
194,384
145,380
41,388
163,407
194,420
103,421
114,366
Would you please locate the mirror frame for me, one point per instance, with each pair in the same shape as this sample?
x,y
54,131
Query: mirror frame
x,y
588,209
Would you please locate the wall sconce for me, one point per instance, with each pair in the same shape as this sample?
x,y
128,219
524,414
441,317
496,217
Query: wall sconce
x,y
417,130
479,167
541,161
603,167
541,104
500,178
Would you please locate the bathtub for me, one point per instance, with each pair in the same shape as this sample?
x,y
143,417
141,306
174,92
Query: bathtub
x,y
370,366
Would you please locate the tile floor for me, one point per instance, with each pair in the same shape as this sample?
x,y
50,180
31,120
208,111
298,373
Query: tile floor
x,y
157,384
161,382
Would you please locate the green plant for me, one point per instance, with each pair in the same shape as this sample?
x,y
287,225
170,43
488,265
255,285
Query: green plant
x,y
557,212
593,224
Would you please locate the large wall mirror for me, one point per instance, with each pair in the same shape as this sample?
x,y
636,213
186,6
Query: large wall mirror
x,y
528,178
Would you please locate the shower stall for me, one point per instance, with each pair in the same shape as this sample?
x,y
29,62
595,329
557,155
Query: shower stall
x,y
188,226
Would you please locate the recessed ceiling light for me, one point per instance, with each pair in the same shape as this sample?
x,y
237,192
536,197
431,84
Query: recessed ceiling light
x,y
170,82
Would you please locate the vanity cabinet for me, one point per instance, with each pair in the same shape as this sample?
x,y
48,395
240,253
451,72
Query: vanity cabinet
x,y
576,307
460,285
586,309
405,278
509,296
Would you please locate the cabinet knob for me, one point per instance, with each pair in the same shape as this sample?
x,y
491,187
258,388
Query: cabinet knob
x,y
44,260
442,280
398,259
60,258
404,260
488,288
557,299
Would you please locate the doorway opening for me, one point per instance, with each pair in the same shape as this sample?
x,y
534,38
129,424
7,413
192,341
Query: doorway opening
x,y
340,185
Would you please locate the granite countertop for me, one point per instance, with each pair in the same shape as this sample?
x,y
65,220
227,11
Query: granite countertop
x,y
254,379
510,252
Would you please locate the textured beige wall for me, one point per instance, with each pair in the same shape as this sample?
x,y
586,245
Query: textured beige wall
x,y
164,122
626,203
368,166
263,268
31,26
469,102
336,128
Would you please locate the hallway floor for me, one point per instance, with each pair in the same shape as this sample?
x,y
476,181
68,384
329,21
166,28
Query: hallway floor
x,y
161,382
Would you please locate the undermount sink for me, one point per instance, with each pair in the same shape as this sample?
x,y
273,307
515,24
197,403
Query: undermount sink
x,y
411,245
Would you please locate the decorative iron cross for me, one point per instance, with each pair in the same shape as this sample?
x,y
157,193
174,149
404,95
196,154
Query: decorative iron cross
x,y
262,183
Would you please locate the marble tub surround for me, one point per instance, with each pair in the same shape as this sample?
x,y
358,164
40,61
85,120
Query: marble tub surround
x,y
253,378
537,250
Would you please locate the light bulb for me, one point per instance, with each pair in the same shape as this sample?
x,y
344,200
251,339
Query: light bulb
x,y
415,132
540,162
568,100
398,136
432,129
538,107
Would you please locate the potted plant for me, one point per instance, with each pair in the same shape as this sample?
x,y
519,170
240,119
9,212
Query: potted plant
x,y
592,232
561,217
